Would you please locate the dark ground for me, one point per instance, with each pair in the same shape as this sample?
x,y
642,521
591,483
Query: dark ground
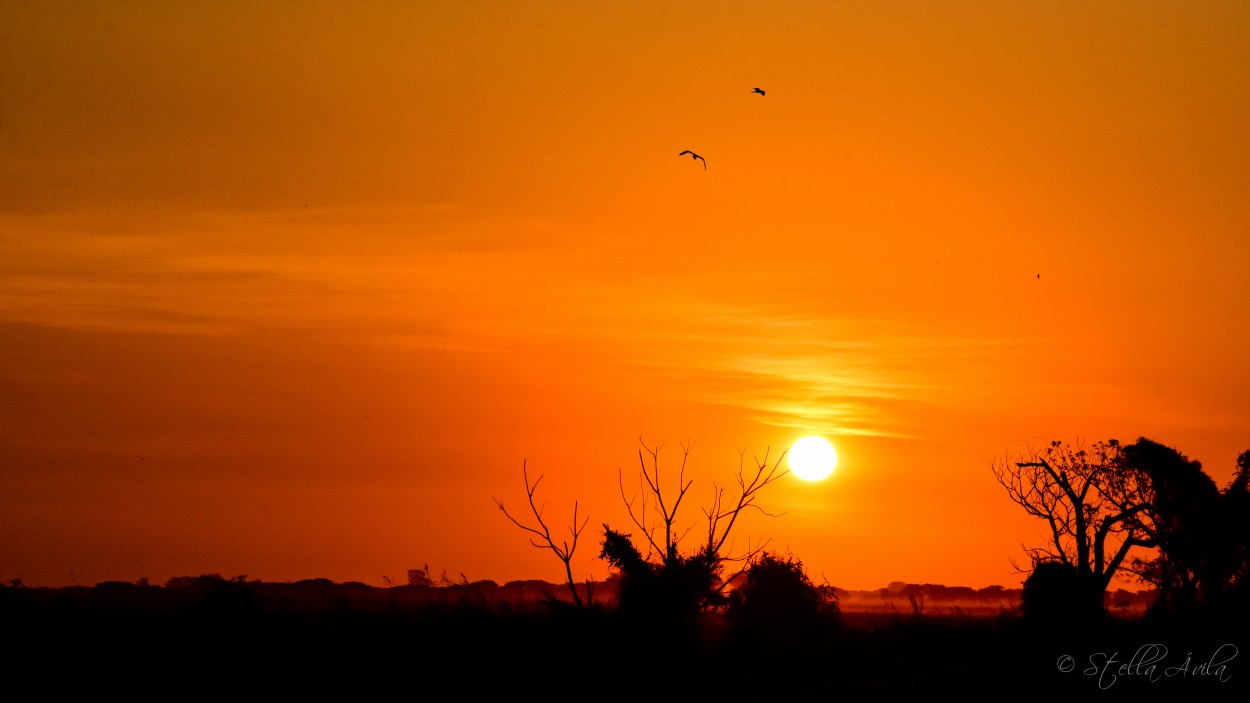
x,y
224,638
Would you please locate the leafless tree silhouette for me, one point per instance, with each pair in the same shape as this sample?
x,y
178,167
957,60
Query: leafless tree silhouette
x,y
542,538
661,532
1095,509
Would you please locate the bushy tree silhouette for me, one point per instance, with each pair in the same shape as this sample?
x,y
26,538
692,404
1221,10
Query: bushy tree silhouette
x,y
1183,518
1203,534
1236,514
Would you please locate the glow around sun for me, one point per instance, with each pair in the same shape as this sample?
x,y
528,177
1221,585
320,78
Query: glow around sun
x,y
813,458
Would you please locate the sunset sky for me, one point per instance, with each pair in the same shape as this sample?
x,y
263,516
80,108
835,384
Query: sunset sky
x,y
293,289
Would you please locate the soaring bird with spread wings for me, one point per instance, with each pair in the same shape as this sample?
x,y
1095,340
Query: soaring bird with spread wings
x,y
757,90
695,156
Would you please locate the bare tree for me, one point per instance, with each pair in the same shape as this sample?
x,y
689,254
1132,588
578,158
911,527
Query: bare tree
x,y
542,538
656,513
721,516
1096,510
653,494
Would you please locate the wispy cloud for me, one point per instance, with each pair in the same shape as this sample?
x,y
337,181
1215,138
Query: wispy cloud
x,y
448,278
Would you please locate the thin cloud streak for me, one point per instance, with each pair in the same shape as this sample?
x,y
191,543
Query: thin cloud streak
x,y
840,377
431,277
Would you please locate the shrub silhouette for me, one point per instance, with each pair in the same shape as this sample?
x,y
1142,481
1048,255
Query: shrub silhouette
x,y
667,586
673,591
1057,592
778,603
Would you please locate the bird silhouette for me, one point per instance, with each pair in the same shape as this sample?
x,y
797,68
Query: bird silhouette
x,y
695,156
757,90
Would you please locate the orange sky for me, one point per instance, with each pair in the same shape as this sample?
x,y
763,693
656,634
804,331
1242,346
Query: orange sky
x,y
292,290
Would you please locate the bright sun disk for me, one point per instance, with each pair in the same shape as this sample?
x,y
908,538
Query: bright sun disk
x,y
813,458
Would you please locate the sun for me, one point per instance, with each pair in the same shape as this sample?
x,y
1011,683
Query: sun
x,y
813,458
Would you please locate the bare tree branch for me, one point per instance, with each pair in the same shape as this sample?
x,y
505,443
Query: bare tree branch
x,y
748,493
565,550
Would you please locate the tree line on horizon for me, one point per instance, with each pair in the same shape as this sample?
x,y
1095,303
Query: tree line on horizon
x,y
1143,510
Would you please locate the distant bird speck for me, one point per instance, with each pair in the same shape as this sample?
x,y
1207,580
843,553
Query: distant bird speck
x,y
758,90
695,156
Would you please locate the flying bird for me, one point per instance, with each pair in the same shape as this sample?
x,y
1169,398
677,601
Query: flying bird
x,y
695,156
757,90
